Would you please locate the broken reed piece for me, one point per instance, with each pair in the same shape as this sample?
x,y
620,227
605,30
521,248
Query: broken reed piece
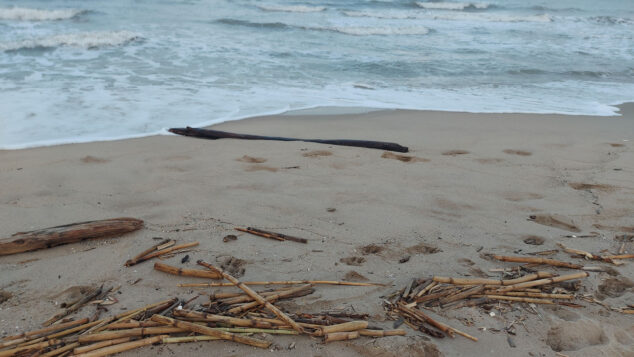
x,y
186,272
439,325
519,299
242,298
289,282
204,330
185,339
271,235
78,305
201,316
462,295
341,336
102,344
536,295
587,255
344,327
620,256
36,346
536,260
163,252
126,346
216,134
62,350
540,282
133,324
476,281
382,333
70,233
134,260
270,298
282,316
45,331
127,315
133,332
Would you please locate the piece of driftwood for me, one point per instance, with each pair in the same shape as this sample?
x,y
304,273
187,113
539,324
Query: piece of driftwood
x,y
186,272
70,233
272,235
216,134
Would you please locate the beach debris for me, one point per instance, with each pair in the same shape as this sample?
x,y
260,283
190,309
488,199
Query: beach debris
x,y
555,221
454,293
50,237
614,259
216,134
185,272
536,260
185,259
229,238
271,235
159,250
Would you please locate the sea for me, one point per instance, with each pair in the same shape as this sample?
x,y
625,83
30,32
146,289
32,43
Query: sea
x,y
80,71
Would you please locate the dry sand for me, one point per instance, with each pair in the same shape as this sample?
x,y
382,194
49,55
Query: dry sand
x,y
467,187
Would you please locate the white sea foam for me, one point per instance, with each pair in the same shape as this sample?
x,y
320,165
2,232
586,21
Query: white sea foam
x,y
459,6
382,14
82,39
368,31
26,14
493,17
292,8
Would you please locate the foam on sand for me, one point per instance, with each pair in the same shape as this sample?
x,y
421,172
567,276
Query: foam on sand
x,y
26,14
81,39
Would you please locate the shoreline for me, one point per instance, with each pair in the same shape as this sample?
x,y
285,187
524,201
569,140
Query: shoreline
x,y
623,109
467,187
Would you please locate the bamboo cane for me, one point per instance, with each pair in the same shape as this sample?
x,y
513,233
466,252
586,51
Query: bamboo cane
x,y
426,289
341,336
534,295
272,235
65,349
165,251
290,282
133,332
47,330
126,315
190,339
382,333
204,330
620,256
282,316
133,324
78,305
134,260
247,330
344,327
242,298
439,325
102,344
126,346
462,295
260,234
200,316
36,346
540,282
185,272
537,260
519,299
586,255
269,299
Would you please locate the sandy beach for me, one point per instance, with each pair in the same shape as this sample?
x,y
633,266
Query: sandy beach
x,y
467,187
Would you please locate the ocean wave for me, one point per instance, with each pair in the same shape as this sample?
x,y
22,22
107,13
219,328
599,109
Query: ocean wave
x,y
610,20
457,6
380,15
292,8
348,30
26,14
494,17
82,39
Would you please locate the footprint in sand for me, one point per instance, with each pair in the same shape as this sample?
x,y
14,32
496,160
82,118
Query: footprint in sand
x,y
317,153
354,261
252,160
555,222
575,335
533,240
517,152
403,158
371,249
93,160
455,152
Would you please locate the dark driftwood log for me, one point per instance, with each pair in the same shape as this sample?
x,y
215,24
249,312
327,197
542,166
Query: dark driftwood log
x,y
216,134
71,233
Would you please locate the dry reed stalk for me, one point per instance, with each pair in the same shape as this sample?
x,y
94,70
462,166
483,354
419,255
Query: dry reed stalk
x,y
185,272
519,299
35,346
290,282
165,251
47,330
439,325
126,315
344,327
282,316
246,298
341,336
133,324
260,234
62,350
102,344
536,260
78,305
200,316
204,330
540,282
269,299
537,295
135,260
126,346
620,256
133,332
462,295
382,333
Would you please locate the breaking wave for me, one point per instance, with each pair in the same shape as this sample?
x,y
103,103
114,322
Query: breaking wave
x,y
292,8
494,17
26,14
82,39
610,20
348,30
380,15
458,6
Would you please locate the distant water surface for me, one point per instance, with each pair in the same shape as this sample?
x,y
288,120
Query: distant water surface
x,y
87,70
